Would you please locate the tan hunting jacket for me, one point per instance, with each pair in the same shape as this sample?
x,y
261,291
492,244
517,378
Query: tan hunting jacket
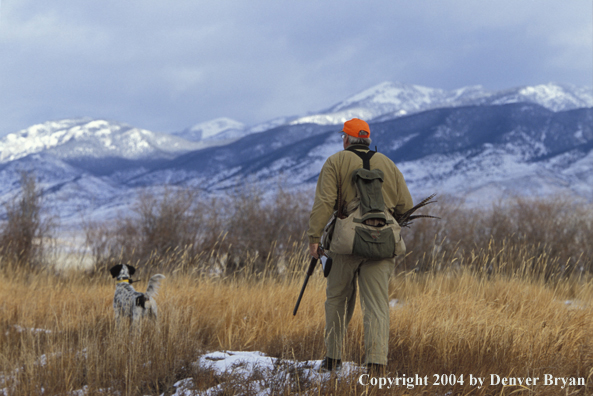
x,y
340,167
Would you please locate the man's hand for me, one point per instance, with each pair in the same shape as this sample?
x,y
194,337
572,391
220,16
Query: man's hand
x,y
314,250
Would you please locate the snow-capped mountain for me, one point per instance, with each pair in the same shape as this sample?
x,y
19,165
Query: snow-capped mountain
x,y
468,143
556,97
226,130
87,138
389,100
217,129
515,148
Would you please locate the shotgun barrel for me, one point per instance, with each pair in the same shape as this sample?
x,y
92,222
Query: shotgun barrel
x,y
310,270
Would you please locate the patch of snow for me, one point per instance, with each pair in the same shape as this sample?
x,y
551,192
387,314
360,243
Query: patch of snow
x,y
400,142
85,391
395,304
32,330
276,372
574,304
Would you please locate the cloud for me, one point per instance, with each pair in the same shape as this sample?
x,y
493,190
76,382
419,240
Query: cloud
x,y
167,65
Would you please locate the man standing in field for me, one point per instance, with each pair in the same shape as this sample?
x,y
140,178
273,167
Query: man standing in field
x,y
372,273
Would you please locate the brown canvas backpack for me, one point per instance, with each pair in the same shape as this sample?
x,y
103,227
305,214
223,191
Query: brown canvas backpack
x,y
369,230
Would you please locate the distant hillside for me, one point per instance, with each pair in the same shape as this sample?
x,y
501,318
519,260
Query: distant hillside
x,y
468,143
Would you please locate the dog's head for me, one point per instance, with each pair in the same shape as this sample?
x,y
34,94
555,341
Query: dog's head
x,y
122,271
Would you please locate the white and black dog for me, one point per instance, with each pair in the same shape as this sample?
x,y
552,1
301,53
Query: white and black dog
x,y
127,302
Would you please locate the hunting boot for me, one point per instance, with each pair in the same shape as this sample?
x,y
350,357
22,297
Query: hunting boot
x,y
330,364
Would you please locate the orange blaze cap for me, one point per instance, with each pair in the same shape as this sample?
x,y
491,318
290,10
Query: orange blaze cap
x,y
357,128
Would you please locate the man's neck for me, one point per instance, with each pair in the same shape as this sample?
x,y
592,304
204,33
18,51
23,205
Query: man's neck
x,y
356,147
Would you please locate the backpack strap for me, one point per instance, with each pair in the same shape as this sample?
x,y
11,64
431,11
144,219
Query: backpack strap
x,y
365,157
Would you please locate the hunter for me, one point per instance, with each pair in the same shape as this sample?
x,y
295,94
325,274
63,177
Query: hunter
x,y
336,191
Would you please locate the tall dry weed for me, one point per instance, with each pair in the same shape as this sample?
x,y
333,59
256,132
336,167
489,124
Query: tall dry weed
x,y
555,228
59,334
242,231
505,290
245,230
26,230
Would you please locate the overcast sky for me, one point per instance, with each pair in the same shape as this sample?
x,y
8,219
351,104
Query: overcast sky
x,y
166,65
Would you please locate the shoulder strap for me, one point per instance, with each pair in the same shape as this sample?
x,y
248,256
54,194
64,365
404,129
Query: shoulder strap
x,y
365,157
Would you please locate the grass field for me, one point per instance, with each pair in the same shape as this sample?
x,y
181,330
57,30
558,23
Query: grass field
x,y
501,294
58,335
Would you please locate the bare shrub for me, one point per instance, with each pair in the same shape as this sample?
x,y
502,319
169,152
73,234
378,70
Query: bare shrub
x,y
98,237
25,233
250,231
159,231
556,228
162,223
265,228
242,230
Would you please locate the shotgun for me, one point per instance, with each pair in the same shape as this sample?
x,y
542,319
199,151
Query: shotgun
x,y
310,270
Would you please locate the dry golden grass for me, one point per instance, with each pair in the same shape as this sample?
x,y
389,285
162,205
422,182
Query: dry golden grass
x,y
57,333
481,292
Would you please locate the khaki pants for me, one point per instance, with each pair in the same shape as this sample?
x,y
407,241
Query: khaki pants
x,y
373,281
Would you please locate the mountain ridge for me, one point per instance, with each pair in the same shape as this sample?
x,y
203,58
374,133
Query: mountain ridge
x,y
493,147
389,100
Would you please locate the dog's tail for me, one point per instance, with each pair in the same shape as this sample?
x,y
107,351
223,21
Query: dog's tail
x,y
153,285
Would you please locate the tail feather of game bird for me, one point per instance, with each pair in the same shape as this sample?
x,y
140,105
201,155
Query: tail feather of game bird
x,y
405,219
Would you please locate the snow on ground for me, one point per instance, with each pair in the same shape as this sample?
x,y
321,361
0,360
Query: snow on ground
x,y
254,372
260,374
273,373
257,373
